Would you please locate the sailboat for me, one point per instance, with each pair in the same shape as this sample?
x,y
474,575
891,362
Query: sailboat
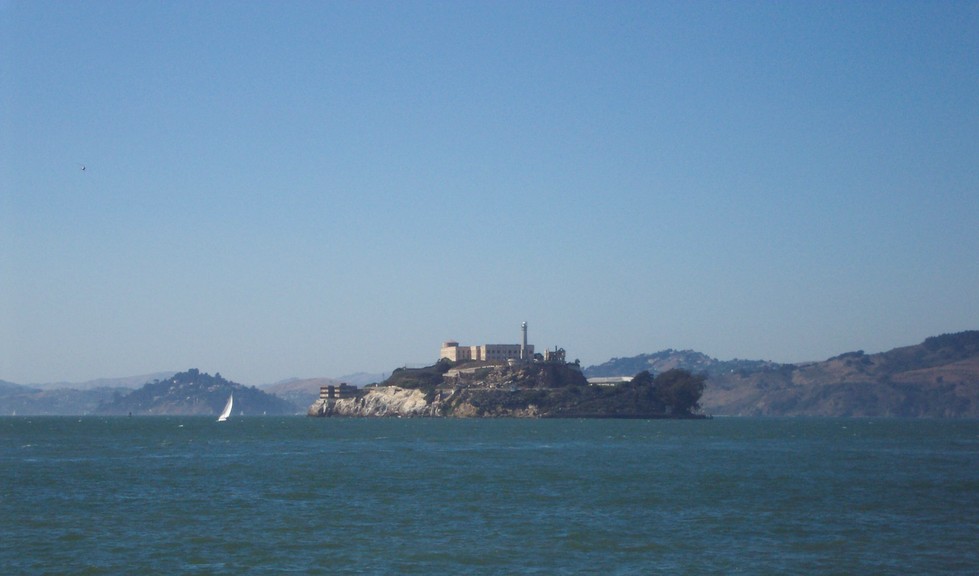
x,y
227,408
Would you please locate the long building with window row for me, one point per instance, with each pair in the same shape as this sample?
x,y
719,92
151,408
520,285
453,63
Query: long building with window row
x,y
488,352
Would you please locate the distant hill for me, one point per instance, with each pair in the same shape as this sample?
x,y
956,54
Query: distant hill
x,y
305,391
938,378
301,392
11,388
81,398
669,359
119,382
67,399
195,393
16,399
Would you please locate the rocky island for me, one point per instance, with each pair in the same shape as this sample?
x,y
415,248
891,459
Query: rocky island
x,y
511,380
481,389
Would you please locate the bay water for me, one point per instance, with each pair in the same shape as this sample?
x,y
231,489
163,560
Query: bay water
x,y
264,495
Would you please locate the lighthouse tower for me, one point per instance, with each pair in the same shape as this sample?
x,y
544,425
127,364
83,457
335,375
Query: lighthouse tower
x,y
523,341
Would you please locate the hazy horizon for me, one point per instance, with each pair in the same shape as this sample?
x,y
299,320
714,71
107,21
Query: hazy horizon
x,y
136,382
308,190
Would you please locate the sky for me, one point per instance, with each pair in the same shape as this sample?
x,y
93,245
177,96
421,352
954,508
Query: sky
x,y
308,189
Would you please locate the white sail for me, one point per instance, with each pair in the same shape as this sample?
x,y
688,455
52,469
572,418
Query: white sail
x,y
227,409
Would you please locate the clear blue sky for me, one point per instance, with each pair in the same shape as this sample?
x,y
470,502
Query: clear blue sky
x,y
278,189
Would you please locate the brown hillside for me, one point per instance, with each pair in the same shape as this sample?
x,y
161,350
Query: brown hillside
x,y
938,378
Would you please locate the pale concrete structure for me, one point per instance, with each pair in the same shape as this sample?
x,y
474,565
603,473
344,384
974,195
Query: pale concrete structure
x,y
488,352
485,352
609,380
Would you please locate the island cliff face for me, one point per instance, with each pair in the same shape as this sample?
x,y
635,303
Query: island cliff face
x,y
482,390
378,401
384,401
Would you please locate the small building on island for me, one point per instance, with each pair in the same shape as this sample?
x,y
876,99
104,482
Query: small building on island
x,y
340,392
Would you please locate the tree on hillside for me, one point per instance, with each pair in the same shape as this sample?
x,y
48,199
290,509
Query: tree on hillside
x,y
644,394
643,378
680,389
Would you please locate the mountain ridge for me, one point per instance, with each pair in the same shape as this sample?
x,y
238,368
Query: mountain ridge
x,y
938,378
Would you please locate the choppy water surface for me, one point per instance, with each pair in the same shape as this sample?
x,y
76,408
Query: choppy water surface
x,y
332,496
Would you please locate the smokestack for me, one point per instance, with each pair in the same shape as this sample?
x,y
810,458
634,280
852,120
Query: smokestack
x,y
523,342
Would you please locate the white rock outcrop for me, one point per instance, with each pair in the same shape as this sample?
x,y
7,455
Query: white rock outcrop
x,y
380,401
